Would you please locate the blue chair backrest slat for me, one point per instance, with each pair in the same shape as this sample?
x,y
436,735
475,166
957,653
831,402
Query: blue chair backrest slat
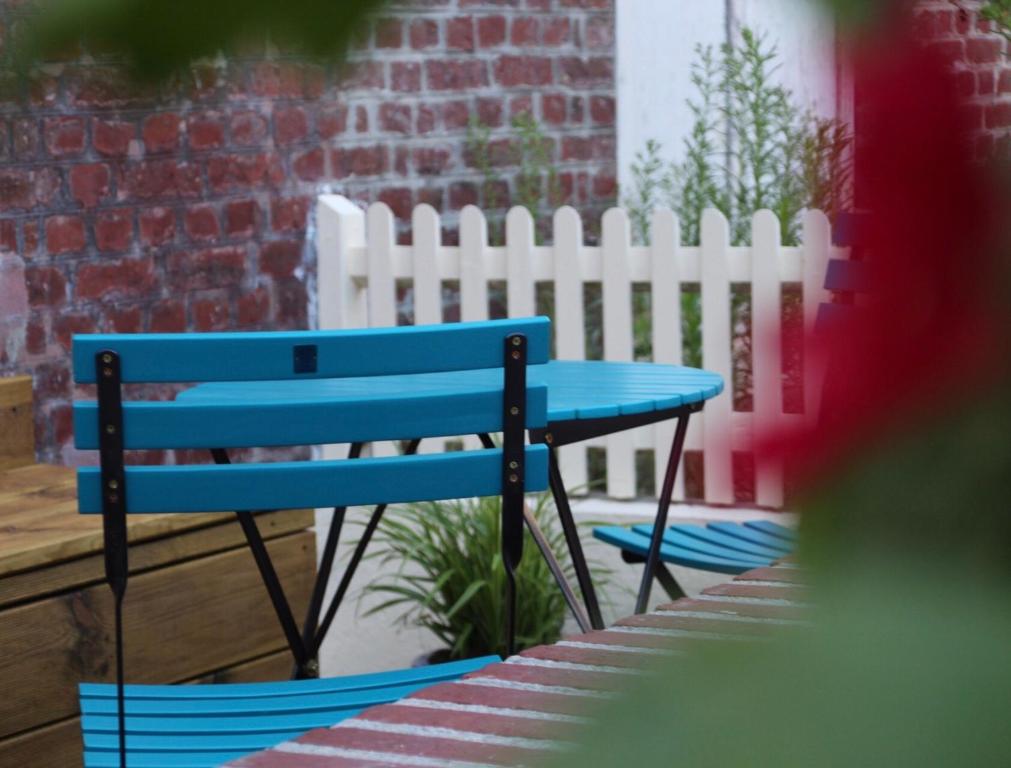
x,y
182,357
163,425
283,485
848,276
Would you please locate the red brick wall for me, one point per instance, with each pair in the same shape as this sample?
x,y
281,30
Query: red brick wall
x,y
984,67
185,208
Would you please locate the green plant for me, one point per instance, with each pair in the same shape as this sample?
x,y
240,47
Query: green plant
x,y
448,575
998,12
536,182
751,146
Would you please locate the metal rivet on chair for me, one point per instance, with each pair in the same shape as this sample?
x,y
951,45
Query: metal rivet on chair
x,y
549,438
114,484
514,478
514,465
514,411
107,372
110,429
106,358
516,341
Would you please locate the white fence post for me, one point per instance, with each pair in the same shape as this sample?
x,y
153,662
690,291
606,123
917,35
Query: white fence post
x,y
617,295
766,340
665,308
360,264
570,332
716,337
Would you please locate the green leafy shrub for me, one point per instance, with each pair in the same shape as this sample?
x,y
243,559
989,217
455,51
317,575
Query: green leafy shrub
x,y
445,572
751,146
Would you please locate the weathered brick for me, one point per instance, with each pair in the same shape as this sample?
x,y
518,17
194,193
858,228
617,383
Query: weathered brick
x,y
157,226
161,132
236,172
491,31
489,112
248,128
290,125
211,314
599,32
90,183
112,137
405,76
64,234
389,33
553,108
512,71
241,218
455,114
460,33
395,117
64,136
576,71
25,138
310,165
168,316
431,160
153,179
523,31
455,74
47,286
114,230
424,119
289,214
124,319
201,223
253,308
602,110
400,200
114,277
205,131
206,269
982,50
424,33
331,121
280,258
359,161
462,193
556,30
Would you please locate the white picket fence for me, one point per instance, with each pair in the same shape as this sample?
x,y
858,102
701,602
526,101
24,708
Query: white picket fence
x,y
360,263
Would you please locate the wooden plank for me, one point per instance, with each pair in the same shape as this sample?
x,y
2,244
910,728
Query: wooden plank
x,y
38,512
59,744
519,262
817,248
224,534
179,622
17,429
427,237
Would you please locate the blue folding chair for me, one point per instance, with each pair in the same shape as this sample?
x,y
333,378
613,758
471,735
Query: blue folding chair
x,y
168,726
733,548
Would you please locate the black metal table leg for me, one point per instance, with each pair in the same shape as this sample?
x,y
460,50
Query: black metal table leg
x,y
660,524
349,572
572,540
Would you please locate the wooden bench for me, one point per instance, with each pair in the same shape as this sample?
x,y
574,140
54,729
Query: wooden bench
x,y
195,610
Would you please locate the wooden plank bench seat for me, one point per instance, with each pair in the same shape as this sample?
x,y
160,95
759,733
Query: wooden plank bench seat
x,y
195,610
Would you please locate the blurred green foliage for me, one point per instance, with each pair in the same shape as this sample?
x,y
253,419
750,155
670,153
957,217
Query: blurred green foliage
x,y
157,38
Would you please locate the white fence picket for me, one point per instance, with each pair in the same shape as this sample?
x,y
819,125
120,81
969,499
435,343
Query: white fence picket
x,y
617,297
519,263
473,278
767,370
817,234
665,316
570,332
427,242
716,337
360,263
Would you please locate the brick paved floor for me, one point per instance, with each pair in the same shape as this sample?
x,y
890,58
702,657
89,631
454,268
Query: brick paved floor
x,y
516,712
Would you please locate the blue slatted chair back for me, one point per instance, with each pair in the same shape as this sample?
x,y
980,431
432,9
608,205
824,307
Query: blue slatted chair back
x,y
158,358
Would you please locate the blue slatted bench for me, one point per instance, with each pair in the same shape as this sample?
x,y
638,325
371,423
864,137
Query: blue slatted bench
x,y
166,726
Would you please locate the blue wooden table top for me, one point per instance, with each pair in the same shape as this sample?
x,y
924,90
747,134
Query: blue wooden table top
x,y
577,390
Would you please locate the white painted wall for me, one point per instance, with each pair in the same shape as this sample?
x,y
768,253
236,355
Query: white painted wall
x,y
655,46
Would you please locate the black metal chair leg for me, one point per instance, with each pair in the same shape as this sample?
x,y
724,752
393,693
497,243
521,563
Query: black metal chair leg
x,y
349,572
572,540
668,582
556,570
660,524
304,665
326,563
